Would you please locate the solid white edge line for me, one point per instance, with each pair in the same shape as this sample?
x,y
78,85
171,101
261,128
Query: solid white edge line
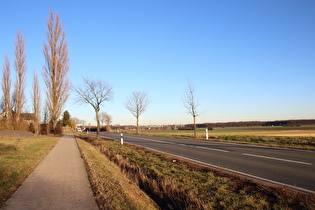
x,y
234,171
280,159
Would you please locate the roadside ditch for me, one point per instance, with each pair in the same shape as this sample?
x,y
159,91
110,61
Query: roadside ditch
x,y
178,184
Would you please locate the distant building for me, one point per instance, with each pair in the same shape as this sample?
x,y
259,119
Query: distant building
x,y
79,128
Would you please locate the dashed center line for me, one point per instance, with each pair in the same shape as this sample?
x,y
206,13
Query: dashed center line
x,y
219,150
279,159
184,145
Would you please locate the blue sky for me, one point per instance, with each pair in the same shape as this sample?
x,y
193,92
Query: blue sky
x,y
248,60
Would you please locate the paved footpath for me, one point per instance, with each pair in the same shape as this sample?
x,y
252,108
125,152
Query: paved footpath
x,y
59,182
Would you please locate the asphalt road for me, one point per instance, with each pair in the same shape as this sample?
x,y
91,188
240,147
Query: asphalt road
x,y
295,168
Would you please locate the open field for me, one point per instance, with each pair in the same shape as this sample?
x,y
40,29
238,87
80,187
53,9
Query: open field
x,y
18,158
265,131
244,131
176,184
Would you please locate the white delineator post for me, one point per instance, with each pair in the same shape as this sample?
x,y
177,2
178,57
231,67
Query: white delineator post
x,y
121,139
207,137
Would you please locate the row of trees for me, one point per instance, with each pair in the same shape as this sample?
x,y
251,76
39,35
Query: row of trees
x,y
55,70
56,67
96,92
12,106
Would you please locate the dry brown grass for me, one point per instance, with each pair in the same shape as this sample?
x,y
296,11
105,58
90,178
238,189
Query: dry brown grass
x,y
112,189
12,125
166,192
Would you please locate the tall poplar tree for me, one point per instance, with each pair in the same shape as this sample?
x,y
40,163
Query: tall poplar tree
x,y
20,67
6,89
36,104
56,68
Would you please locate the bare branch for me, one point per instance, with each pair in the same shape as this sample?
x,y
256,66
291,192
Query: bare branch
x,y
190,100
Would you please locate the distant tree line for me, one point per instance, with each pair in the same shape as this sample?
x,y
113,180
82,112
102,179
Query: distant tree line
x,y
289,123
210,126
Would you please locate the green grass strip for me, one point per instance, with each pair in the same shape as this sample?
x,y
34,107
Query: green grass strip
x,y
18,158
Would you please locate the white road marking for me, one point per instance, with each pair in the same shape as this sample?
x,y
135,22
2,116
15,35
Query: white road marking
x,y
280,159
165,142
219,150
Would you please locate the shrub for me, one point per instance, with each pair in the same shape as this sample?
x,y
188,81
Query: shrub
x,y
58,130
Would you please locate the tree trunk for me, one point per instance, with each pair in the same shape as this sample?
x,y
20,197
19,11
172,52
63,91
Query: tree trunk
x,y
53,125
98,124
195,127
137,131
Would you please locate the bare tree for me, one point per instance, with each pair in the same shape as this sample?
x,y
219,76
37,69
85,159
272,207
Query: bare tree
x,y
102,117
6,89
56,68
105,118
137,103
94,92
36,104
20,67
78,121
108,119
191,104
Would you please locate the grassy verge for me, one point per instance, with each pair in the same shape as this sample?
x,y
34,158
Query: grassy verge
x,y
296,142
18,158
112,189
176,184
